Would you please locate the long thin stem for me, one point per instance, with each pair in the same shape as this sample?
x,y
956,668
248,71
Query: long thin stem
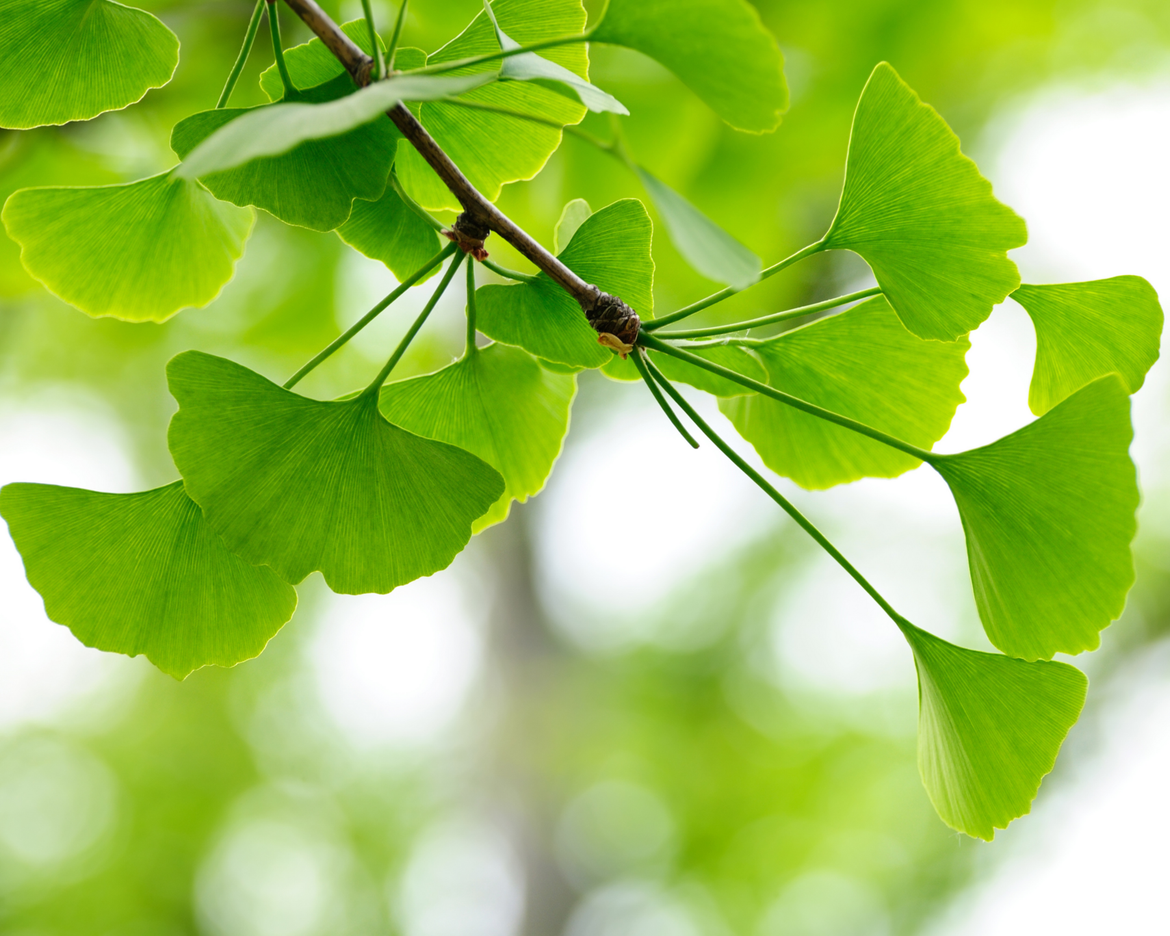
x,y
786,505
369,12
470,348
795,402
510,274
505,112
499,55
418,323
249,38
640,363
410,203
394,39
278,50
774,317
729,291
371,315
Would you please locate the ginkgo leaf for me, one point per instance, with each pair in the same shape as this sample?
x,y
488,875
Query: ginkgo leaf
x,y
718,48
1087,330
497,403
1048,512
989,729
144,573
573,215
921,215
63,60
139,251
611,249
733,357
311,64
493,149
313,185
302,485
703,243
390,231
862,364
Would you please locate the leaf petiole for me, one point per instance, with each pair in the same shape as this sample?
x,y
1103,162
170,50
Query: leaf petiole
x,y
249,38
640,363
470,348
510,274
499,55
369,12
776,316
394,39
278,50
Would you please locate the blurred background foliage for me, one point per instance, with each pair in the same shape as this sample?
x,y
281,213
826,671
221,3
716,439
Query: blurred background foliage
x,y
661,783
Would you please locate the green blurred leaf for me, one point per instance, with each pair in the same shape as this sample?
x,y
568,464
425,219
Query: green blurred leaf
x,y
703,243
1087,330
494,149
921,215
1049,514
63,60
989,729
573,215
719,48
390,231
144,573
139,251
302,485
497,403
610,249
313,185
862,364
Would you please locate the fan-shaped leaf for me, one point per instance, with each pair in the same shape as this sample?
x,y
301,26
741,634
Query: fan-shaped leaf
x,y
311,64
573,215
719,48
140,251
1049,515
63,60
390,231
497,403
610,249
301,485
144,573
1087,330
862,364
921,215
989,729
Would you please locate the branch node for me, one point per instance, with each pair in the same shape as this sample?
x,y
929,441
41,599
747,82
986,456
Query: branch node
x,y
616,324
469,233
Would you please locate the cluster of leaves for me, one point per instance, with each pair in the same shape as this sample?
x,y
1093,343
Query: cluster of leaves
x,y
389,484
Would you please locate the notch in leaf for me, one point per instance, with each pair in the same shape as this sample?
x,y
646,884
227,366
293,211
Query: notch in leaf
x,y
140,251
1048,513
989,729
64,60
144,573
1087,330
302,485
920,214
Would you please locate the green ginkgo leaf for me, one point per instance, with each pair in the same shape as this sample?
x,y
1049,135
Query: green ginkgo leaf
x,y
989,729
733,357
311,63
493,149
139,251
1087,330
144,573
1049,514
611,249
63,60
703,243
313,185
862,364
921,215
390,231
302,485
573,215
497,403
719,48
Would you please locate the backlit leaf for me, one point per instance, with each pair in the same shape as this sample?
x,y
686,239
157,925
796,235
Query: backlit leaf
x,y
573,215
302,485
1087,330
140,251
1049,514
862,364
733,357
144,573
63,60
390,231
921,215
311,64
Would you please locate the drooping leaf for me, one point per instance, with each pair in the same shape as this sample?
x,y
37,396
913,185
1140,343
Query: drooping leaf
x,y
703,243
63,60
302,485
144,573
921,215
313,185
1087,330
274,129
1048,512
989,729
611,249
390,231
718,48
494,149
497,403
862,364
573,215
139,251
